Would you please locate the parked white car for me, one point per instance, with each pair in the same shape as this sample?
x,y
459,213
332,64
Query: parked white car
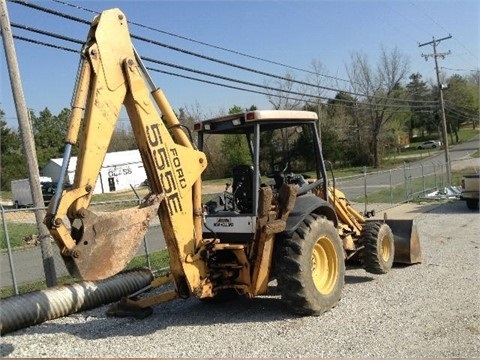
x,y
430,144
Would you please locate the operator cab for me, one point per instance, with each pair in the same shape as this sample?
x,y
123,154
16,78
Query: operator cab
x,y
271,147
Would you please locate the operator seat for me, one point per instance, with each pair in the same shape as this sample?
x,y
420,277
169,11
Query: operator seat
x,y
242,188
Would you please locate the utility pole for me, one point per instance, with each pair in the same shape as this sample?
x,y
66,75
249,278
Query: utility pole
x,y
28,144
435,56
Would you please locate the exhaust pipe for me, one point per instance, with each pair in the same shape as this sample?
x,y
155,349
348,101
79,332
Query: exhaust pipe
x,y
21,311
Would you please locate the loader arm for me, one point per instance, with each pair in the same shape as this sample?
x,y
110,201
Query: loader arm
x,y
345,212
94,246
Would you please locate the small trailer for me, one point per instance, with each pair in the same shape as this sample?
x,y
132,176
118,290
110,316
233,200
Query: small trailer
x,y
22,193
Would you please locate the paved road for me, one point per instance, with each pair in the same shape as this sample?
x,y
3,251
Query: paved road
x,y
28,263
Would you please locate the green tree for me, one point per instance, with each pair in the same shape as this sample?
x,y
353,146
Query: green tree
x,y
12,161
122,139
421,113
380,88
461,102
302,156
345,131
235,148
49,132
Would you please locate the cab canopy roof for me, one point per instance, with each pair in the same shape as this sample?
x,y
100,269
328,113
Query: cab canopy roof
x,y
243,122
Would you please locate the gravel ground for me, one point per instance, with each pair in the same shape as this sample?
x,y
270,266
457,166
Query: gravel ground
x,y
426,310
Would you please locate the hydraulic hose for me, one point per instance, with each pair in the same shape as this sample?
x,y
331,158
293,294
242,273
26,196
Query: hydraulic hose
x,y
17,312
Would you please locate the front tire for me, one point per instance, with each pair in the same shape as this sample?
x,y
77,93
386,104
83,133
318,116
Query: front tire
x,y
310,266
379,247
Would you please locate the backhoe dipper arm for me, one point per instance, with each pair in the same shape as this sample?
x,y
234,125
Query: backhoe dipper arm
x,y
98,246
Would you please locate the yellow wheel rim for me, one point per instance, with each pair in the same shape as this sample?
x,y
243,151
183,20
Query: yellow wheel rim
x,y
324,265
385,248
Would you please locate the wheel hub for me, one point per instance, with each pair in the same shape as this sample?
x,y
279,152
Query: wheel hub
x,y
324,265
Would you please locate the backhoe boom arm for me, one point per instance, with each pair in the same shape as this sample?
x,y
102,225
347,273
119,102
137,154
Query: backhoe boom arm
x,y
111,76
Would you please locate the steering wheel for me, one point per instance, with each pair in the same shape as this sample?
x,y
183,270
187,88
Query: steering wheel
x,y
278,170
278,174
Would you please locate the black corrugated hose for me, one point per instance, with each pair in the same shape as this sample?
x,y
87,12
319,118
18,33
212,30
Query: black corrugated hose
x,y
32,308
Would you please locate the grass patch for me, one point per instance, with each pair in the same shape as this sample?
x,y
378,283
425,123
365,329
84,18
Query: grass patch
x,y
158,260
346,172
457,175
17,233
467,133
121,195
4,195
476,154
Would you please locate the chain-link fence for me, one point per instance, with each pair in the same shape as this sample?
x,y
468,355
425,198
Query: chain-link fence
x,y
21,262
384,189
21,257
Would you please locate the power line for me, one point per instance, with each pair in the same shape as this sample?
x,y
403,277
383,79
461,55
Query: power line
x,y
440,26
209,58
265,86
47,33
458,112
50,11
74,18
37,42
210,45
304,96
408,19
178,49
446,68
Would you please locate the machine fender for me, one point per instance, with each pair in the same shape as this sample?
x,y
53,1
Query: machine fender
x,y
307,204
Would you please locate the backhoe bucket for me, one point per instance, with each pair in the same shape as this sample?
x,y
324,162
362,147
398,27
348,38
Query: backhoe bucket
x,y
106,243
407,244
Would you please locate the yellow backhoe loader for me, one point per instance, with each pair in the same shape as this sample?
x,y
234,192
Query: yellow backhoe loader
x,y
270,223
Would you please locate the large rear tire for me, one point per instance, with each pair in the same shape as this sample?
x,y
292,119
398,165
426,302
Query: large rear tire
x,y
379,247
310,266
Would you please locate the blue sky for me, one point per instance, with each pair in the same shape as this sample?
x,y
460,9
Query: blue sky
x,y
293,33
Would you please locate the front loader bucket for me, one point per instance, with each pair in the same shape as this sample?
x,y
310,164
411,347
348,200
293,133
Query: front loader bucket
x,y
407,244
107,242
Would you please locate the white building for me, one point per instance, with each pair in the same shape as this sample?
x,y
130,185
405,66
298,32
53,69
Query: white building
x,y
119,170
